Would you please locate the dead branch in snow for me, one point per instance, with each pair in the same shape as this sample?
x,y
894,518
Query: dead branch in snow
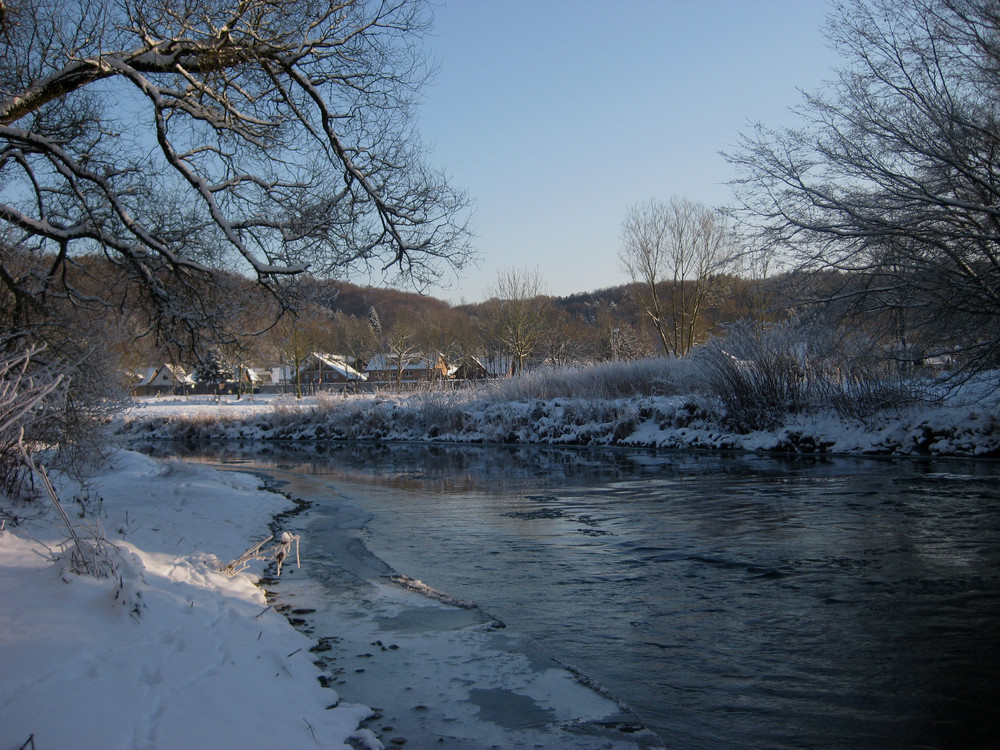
x,y
278,552
89,555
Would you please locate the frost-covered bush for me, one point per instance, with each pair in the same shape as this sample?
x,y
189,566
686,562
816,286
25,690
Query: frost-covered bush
x,y
436,412
867,390
25,402
33,408
759,377
762,377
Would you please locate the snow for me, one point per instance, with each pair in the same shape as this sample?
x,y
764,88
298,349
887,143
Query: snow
x,y
172,653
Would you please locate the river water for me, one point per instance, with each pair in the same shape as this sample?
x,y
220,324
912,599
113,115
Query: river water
x,y
728,601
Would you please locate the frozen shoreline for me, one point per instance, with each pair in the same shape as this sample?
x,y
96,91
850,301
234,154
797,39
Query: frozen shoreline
x,y
175,654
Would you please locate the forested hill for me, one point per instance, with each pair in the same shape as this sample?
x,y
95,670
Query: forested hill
x,y
353,299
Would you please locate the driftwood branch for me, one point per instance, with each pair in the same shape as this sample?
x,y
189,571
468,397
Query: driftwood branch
x,y
278,552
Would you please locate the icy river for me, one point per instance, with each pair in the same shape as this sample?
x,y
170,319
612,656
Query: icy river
x,y
725,601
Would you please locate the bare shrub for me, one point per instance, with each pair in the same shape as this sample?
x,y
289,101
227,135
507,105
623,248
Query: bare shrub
x,y
25,401
327,402
38,409
439,411
90,553
763,377
863,388
79,422
760,379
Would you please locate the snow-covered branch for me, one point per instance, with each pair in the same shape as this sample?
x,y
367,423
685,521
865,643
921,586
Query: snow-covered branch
x,y
277,552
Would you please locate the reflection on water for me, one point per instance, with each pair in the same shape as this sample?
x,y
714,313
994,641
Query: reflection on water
x,y
731,601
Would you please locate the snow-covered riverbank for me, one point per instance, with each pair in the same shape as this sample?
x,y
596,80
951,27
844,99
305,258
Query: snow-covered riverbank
x,y
171,653
967,423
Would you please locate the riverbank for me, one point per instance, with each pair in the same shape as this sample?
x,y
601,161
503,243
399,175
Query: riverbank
x,y
964,422
168,652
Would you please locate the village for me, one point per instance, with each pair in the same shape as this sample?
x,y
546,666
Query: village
x,y
319,372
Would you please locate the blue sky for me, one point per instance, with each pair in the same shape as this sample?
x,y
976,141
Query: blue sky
x,y
557,115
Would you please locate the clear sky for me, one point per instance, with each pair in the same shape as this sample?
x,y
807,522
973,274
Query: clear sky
x,y
557,115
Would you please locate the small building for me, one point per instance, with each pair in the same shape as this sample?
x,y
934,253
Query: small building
x,y
328,371
248,379
165,379
484,367
384,369
470,369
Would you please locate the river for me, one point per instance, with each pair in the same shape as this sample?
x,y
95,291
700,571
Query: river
x,y
728,601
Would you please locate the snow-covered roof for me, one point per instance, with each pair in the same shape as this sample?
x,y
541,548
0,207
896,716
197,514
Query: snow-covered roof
x,y
176,373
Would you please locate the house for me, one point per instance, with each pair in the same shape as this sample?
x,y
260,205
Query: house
x,y
471,369
385,369
320,370
165,379
485,366
249,379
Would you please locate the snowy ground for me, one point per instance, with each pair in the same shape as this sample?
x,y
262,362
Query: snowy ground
x,y
172,654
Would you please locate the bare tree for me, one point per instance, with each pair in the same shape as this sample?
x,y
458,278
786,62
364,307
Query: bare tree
x,y
675,253
754,266
893,175
438,339
517,311
180,138
565,341
456,336
355,339
298,336
402,345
